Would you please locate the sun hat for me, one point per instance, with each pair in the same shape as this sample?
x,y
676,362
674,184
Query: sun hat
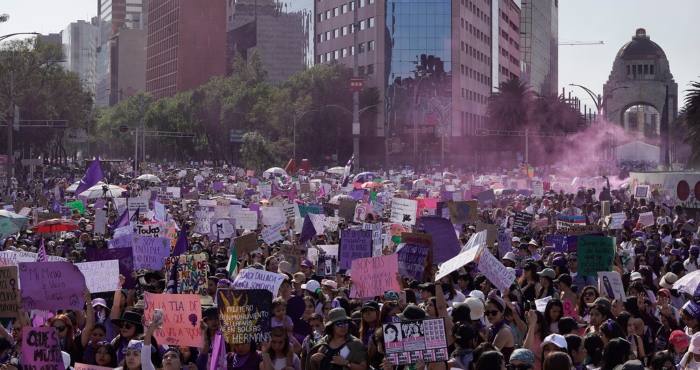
x,y
299,278
413,312
329,283
510,256
477,294
285,267
556,339
668,280
337,314
476,306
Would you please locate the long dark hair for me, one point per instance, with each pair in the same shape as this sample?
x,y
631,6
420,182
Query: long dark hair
x,y
110,350
490,360
279,332
553,302
615,353
542,324
581,306
573,342
480,350
594,345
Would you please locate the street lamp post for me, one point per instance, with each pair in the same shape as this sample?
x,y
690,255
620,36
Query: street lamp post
x,y
294,120
11,115
598,100
136,132
355,114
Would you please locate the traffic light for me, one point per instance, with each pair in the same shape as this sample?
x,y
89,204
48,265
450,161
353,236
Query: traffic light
x,y
389,146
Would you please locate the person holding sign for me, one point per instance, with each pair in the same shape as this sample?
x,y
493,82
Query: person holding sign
x,y
71,343
172,358
499,333
338,349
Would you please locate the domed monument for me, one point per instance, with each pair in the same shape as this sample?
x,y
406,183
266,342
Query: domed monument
x,y
639,78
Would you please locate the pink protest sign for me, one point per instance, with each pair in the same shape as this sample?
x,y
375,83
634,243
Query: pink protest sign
x,y
41,348
372,276
181,316
51,286
569,309
79,366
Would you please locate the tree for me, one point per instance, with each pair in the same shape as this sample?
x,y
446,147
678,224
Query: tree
x,y
692,123
255,152
508,108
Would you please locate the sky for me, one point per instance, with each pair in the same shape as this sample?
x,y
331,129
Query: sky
x,y
672,25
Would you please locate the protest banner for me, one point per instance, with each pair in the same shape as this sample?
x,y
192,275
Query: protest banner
x,y
312,208
376,237
245,315
496,272
541,304
646,218
191,273
202,218
537,188
41,349
610,285
159,211
8,291
51,286
463,212
100,276
123,241
491,230
522,221
595,253
616,220
150,253
246,243
246,219
485,197
152,229
454,263
412,260
139,205
181,316
577,230
403,211
406,342
641,191
361,211
557,242
372,276
319,222
504,240
272,234
445,242
354,244
564,223
77,204
79,366
259,279
290,211
425,240
272,215
222,228
346,209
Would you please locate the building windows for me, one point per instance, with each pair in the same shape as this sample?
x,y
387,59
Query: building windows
x,y
352,50
328,35
362,3
344,8
319,59
336,33
345,52
336,54
328,57
320,37
371,22
345,30
320,17
361,48
336,11
328,14
352,5
370,45
370,69
362,25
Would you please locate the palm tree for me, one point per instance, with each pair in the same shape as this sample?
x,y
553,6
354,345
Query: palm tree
x,y
692,123
507,109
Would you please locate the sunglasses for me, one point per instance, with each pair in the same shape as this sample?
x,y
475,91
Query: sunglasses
x,y
124,325
491,312
642,260
16,330
517,367
340,324
60,329
573,259
588,294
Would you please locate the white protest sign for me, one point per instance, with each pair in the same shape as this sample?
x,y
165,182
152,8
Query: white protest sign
x,y
265,191
159,211
291,211
616,220
100,276
330,249
138,204
246,219
538,188
319,222
24,211
454,263
154,230
258,279
120,203
610,285
100,221
496,272
456,197
222,228
541,304
646,218
403,211
8,258
272,234
202,218
207,202
121,231
233,208
175,190
332,223
376,237
272,215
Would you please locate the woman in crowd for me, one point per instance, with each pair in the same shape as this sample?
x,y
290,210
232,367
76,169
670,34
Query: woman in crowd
x,y
338,346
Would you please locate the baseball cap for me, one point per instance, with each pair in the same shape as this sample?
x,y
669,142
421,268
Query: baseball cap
x,y
635,276
477,294
476,308
679,339
311,286
556,339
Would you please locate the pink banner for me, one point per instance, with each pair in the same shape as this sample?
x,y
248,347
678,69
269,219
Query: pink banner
x,y
372,276
41,349
181,316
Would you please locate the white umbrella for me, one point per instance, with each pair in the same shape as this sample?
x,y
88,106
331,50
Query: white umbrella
x,y
148,177
97,191
74,186
276,171
336,170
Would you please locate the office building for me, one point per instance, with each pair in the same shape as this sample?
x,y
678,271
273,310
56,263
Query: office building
x,y
449,54
80,40
280,34
539,45
115,15
52,37
186,45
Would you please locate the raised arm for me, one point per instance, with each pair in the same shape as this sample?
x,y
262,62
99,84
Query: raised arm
x,y
89,318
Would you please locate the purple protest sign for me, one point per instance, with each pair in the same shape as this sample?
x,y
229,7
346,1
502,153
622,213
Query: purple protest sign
x,y
445,242
150,253
557,241
354,244
411,259
217,185
41,348
357,194
51,286
125,256
99,203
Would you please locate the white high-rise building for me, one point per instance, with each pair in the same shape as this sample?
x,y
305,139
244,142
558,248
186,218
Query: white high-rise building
x,y
80,41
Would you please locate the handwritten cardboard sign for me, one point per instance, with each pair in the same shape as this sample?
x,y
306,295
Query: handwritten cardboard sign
x,y
181,316
595,253
576,230
346,209
259,279
403,211
372,276
51,286
504,240
610,285
354,244
522,222
246,243
8,291
41,348
125,256
202,218
491,230
222,228
412,260
191,273
124,241
246,219
646,218
641,191
496,272
272,233
616,220
100,276
150,253
245,315
376,237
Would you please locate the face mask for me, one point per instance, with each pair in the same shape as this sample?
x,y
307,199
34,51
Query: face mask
x,y
445,287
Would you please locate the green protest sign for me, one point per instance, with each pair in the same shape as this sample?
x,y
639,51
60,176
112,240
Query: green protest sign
x,y
77,204
595,253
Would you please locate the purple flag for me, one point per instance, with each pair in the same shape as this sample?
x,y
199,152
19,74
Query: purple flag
x,y
41,256
55,206
123,220
171,285
346,174
93,175
181,246
218,354
308,230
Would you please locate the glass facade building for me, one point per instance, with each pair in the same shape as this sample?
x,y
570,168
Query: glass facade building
x,y
539,40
